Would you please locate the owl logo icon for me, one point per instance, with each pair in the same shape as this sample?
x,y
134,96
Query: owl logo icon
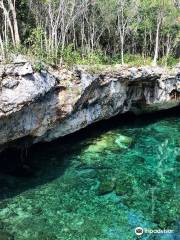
x,y
139,231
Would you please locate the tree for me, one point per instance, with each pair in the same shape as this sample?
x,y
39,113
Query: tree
x,y
162,8
108,30
12,7
126,13
9,12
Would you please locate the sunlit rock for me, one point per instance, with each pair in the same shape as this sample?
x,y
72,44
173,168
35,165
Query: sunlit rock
x,y
19,59
10,83
24,70
40,106
123,141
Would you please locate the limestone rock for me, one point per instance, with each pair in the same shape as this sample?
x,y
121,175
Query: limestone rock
x,y
18,70
24,70
39,108
10,83
19,59
1,71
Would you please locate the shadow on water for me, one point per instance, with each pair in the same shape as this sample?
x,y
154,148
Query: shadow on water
x,y
25,169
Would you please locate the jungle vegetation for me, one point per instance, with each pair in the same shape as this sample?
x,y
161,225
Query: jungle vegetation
x,y
91,31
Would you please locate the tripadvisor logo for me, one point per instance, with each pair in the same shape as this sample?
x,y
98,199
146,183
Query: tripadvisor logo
x,y
139,231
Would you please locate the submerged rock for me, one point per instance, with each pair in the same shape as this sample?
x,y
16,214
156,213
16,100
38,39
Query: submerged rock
x,y
99,146
110,142
106,186
5,236
123,141
43,107
123,186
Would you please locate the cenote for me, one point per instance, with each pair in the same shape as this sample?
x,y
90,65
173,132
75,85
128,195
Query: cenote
x,y
98,184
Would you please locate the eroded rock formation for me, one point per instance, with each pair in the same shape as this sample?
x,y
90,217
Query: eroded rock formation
x,y
46,105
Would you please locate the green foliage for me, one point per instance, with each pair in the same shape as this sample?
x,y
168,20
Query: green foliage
x,y
97,57
53,32
26,19
38,66
137,59
71,56
169,61
10,51
35,42
131,59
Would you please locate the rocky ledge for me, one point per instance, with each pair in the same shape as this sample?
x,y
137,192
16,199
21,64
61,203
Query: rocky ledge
x,y
45,105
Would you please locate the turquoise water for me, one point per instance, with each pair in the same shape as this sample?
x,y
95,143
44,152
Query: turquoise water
x,y
97,185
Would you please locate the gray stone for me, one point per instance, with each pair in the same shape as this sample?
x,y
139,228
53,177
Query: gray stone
x,y
178,77
10,83
1,71
34,105
18,70
23,70
19,59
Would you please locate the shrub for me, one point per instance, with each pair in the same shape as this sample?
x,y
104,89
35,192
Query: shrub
x,y
35,43
169,61
38,66
137,59
71,56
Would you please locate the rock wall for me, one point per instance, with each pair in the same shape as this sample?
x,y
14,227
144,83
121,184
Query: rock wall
x,y
50,104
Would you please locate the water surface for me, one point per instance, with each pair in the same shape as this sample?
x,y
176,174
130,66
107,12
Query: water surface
x,y
97,185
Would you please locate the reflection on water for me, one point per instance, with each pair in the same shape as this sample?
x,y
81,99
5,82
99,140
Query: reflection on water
x,y
97,187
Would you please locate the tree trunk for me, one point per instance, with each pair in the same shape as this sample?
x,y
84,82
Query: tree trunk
x,y
168,48
168,45
122,50
16,30
156,51
6,14
2,48
145,44
62,48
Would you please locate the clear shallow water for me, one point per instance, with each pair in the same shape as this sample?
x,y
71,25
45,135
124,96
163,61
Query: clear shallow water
x,y
99,185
